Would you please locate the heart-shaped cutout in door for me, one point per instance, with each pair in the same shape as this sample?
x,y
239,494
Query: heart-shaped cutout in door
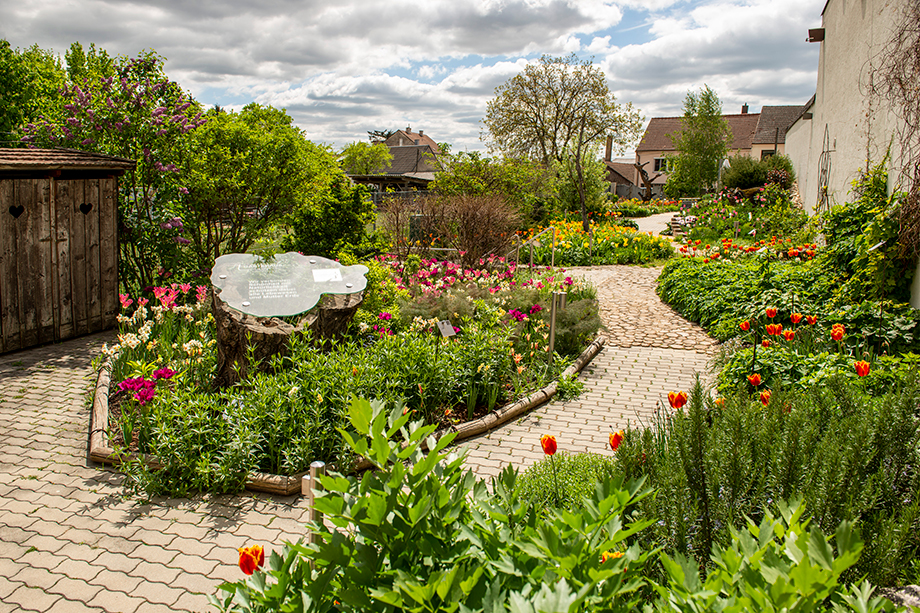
x,y
16,210
85,208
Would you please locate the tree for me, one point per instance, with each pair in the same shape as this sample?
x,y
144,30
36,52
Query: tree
x,y
555,106
702,144
139,114
525,185
555,110
29,84
376,136
242,174
361,158
591,187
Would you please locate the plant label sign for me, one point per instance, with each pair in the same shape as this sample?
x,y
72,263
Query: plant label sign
x,y
446,328
283,285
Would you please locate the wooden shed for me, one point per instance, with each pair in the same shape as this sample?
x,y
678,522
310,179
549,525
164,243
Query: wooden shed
x,y
58,244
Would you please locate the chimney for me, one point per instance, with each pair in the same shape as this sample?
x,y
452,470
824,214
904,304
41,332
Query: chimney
x,y
609,150
421,133
744,109
408,130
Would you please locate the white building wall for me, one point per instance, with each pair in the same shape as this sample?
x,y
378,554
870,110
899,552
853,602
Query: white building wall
x,y
858,129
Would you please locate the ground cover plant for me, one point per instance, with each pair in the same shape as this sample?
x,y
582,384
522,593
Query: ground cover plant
x,y
636,207
421,533
281,420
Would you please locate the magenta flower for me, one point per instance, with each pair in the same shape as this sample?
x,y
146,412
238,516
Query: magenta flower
x,y
385,316
145,395
535,309
164,373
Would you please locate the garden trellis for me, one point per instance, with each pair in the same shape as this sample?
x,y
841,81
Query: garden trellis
x,y
58,244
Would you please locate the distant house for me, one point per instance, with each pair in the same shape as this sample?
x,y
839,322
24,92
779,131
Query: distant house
x,y
756,135
413,165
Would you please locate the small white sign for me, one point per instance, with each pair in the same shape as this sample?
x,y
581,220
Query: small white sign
x,y
327,275
446,328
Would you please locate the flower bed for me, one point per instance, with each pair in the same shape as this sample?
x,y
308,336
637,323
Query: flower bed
x,y
608,243
279,423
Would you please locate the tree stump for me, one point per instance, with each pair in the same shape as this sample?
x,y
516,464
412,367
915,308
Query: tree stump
x,y
267,337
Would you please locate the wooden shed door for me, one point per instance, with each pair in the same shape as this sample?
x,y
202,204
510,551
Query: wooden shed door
x,y
26,304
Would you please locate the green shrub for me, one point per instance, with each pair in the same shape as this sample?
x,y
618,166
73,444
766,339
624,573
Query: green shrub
x,y
576,476
744,172
849,456
333,221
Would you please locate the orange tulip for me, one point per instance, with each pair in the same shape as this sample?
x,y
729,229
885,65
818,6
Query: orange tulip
x,y
611,555
251,558
765,343
548,442
745,325
615,439
811,319
719,402
837,332
754,379
765,397
677,399
771,313
789,335
796,317
862,368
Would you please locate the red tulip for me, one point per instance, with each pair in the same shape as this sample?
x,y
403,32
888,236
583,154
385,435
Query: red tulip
x,y
862,368
765,343
837,332
548,442
251,558
771,313
754,379
811,319
765,397
745,325
677,399
615,439
796,317
789,335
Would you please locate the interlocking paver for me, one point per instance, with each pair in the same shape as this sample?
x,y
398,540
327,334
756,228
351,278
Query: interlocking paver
x,y
65,528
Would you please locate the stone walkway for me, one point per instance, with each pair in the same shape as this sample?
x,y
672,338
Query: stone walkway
x,y
70,543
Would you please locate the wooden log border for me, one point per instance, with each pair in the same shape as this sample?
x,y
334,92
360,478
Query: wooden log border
x,y
282,485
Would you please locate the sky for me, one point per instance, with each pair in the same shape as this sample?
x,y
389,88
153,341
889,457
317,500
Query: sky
x,y
344,67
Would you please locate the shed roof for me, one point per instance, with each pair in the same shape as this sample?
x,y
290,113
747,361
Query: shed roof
x,y
411,159
657,134
20,160
773,118
621,171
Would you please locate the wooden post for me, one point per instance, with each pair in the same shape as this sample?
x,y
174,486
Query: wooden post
x,y
308,486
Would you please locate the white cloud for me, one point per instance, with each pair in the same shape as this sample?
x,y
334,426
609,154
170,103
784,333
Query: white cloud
x,y
344,68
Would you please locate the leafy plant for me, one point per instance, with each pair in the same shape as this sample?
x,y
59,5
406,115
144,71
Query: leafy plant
x,y
421,533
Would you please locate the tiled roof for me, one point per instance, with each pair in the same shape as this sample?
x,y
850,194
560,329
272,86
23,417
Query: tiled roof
x,y
773,118
656,137
625,171
60,159
414,159
402,138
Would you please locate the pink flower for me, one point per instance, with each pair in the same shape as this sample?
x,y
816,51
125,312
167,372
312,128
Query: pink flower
x,y
535,309
164,373
125,300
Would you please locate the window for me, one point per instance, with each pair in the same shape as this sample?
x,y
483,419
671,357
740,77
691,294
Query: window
x,y
661,165
767,153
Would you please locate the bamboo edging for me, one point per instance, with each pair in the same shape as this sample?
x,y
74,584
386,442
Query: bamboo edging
x,y
282,485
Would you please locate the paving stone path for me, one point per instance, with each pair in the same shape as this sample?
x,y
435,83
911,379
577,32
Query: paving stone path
x,y
69,541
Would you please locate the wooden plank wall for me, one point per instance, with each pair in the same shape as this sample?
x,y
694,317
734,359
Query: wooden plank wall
x,y
58,259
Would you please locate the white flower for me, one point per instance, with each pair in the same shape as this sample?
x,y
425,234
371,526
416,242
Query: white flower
x,y
293,391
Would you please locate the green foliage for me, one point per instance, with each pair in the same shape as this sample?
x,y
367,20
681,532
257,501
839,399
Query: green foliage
x,y
420,533
849,456
863,260
29,83
702,144
744,172
243,173
575,474
333,221
554,106
525,185
775,566
360,158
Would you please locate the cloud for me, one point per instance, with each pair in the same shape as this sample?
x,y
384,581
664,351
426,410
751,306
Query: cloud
x,y
342,69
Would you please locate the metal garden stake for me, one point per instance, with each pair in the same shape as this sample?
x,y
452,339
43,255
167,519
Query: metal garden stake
x,y
558,302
